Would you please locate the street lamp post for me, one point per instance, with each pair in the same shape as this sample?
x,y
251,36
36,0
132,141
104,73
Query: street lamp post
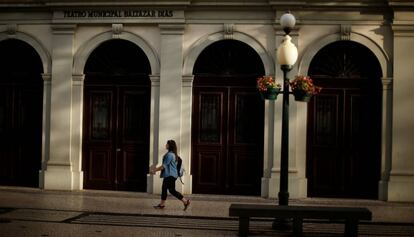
x,y
287,55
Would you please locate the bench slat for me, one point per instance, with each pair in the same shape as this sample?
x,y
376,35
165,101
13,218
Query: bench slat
x,y
310,212
351,215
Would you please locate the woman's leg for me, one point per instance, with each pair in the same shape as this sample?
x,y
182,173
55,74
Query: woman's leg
x,y
164,190
171,187
175,193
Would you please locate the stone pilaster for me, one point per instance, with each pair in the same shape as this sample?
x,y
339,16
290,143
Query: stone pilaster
x,y
401,180
169,117
76,131
386,143
185,147
46,127
58,174
154,183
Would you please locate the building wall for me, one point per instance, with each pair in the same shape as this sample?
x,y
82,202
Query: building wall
x,y
173,44
401,178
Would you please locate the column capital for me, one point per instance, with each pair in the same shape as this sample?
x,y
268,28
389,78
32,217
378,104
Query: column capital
x,y
386,83
78,79
47,77
155,80
188,80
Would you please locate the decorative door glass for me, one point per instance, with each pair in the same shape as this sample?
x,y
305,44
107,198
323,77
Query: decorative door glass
x,y
100,116
210,118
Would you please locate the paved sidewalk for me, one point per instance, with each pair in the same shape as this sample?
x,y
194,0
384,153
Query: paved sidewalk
x,y
35,212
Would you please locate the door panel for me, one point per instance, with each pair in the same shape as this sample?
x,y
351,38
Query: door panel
x,y
28,133
8,168
245,131
99,173
209,129
325,139
116,137
341,144
98,138
227,135
20,134
208,169
133,137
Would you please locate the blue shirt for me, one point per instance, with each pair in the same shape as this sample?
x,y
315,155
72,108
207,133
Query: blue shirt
x,y
170,165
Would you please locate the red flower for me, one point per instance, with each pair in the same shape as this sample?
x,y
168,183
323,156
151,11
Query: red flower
x,y
304,84
265,82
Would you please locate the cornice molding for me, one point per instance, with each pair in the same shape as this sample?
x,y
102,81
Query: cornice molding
x,y
401,3
403,30
64,29
172,29
93,3
206,4
311,4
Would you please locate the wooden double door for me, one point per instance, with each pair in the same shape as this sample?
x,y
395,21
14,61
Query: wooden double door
x,y
344,142
344,123
227,138
116,133
21,110
20,131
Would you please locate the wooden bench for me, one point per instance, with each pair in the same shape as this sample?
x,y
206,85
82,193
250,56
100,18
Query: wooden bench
x,y
351,215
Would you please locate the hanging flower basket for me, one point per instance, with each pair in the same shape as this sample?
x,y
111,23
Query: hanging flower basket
x,y
270,93
303,88
302,96
268,88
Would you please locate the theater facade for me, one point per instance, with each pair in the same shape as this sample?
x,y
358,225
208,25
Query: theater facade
x,y
90,91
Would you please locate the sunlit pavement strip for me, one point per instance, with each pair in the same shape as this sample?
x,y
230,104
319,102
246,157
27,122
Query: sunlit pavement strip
x,y
39,215
257,227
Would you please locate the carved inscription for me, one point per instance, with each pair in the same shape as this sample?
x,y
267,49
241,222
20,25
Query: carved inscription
x,y
118,13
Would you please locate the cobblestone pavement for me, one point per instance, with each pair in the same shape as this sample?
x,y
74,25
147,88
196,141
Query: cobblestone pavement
x,y
34,212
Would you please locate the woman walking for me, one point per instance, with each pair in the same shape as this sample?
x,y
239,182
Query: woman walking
x,y
169,174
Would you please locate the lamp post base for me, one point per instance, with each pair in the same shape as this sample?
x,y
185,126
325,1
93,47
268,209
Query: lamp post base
x,y
283,198
282,224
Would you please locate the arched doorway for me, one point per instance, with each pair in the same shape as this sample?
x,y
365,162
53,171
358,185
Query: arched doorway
x,y
21,108
228,120
116,117
344,123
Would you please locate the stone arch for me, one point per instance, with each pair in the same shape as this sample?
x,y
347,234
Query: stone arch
x,y
386,70
195,50
380,54
83,52
32,41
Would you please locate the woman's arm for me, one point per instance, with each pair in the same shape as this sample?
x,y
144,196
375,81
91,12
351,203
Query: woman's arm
x,y
159,168
166,161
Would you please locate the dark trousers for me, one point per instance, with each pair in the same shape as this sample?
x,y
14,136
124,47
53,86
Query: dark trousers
x,y
168,183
